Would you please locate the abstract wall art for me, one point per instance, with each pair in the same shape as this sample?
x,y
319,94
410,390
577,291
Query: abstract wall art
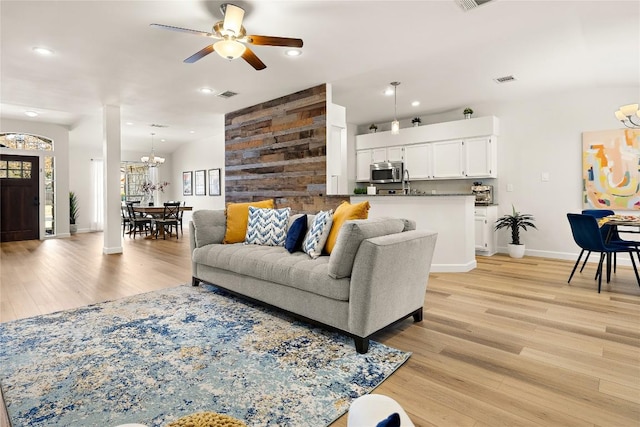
x,y
610,169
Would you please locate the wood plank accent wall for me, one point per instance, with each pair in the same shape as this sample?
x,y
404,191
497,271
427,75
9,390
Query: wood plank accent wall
x,y
277,150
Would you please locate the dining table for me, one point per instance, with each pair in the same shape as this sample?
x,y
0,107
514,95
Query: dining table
x,y
156,212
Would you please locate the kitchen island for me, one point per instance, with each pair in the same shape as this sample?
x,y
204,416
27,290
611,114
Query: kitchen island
x,y
451,215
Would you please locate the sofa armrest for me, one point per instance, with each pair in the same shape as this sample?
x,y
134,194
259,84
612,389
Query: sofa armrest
x,y
389,279
207,227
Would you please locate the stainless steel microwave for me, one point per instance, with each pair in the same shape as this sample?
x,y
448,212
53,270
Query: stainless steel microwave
x,y
385,172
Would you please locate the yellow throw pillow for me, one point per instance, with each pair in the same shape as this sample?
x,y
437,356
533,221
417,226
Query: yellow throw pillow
x,y
344,212
238,217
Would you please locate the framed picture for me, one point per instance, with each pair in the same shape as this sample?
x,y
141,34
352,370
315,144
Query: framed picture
x,y
201,185
214,182
187,184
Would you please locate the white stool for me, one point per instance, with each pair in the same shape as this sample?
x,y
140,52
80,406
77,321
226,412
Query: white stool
x,y
370,409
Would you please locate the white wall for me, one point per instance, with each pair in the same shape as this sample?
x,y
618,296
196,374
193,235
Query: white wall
x,y
203,154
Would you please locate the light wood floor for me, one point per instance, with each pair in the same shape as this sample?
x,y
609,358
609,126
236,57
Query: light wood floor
x,y
508,344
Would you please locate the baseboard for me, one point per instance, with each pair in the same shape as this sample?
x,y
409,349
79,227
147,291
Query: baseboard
x,y
111,251
623,259
453,268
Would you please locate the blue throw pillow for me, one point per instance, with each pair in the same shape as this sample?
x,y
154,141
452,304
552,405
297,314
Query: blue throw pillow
x,y
295,235
392,420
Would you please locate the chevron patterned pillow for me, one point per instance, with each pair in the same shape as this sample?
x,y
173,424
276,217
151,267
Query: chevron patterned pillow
x,y
318,233
267,227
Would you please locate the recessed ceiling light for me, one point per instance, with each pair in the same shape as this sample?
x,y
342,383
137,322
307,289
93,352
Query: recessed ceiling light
x,y
129,123
192,131
31,113
163,140
206,90
388,91
293,52
415,103
43,50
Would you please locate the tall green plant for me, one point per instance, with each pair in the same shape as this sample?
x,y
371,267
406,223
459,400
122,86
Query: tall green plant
x,y
515,222
73,207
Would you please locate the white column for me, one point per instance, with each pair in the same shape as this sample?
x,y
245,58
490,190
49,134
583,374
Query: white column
x,y
111,153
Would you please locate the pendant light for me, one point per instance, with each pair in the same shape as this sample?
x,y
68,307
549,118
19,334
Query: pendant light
x,y
629,115
152,160
395,124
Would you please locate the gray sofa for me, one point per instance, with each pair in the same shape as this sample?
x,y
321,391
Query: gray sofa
x,y
376,274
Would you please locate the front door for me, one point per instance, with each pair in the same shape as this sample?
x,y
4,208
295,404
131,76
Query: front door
x,y
19,201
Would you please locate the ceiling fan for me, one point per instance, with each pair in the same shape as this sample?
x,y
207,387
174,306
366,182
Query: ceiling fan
x,y
232,38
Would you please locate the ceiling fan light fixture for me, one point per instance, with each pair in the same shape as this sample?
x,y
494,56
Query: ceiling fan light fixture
x,y
293,52
229,49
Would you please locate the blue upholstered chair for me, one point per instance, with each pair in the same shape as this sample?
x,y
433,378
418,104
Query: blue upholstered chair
x,y
588,236
609,234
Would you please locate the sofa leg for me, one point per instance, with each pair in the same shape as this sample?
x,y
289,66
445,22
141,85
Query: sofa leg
x,y
194,281
362,344
417,315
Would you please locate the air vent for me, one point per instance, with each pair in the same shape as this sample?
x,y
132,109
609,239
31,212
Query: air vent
x,y
505,79
226,94
155,125
470,4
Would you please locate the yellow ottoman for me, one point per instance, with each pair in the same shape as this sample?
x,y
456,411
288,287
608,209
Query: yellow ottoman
x,y
206,419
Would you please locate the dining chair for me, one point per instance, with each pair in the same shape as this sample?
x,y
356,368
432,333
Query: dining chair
x,y
180,214
169,219
126,222
588,237
137,223
609,234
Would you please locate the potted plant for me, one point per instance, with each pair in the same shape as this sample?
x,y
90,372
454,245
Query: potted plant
x,y
467,113
73,212
373,128
416,121
515,221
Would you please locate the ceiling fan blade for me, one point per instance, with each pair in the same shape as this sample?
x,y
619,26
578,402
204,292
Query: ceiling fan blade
x,y
184,30
274,41
233,16
199,55
253,60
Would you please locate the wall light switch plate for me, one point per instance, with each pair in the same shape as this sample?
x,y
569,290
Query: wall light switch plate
x,y
509,187
544,176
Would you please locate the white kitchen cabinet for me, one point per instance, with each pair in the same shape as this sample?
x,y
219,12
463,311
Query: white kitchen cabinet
x,y
395,154
485,236
387,154
363,162
481,157
448,159
378,155
418,161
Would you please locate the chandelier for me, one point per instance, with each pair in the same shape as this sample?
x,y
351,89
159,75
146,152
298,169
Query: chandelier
x,y
629,115
152,160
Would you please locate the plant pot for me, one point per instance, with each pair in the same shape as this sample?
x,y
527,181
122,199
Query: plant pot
x,y
73,228
515,251
467,116
416,124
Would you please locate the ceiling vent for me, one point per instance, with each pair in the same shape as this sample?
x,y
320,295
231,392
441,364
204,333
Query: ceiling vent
x,y
155,125
226,94
470,4
505,79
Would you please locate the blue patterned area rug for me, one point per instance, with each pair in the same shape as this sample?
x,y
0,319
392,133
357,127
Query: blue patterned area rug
x,y
156,357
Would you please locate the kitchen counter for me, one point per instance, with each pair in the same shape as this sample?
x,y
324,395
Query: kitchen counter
x,y
452,215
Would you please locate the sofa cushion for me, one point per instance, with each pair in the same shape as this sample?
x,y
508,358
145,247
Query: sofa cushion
x,y
318,232
237,218
295,234
275,264
267,226
209,226
352,233
345,212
